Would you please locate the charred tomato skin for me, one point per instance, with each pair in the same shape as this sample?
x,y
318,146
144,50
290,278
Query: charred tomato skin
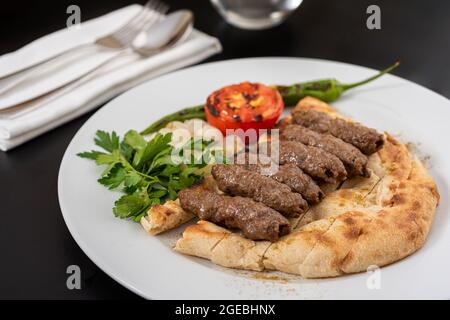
x,y
244,106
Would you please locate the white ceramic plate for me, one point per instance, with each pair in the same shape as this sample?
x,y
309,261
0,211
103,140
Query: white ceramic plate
x,y
147,264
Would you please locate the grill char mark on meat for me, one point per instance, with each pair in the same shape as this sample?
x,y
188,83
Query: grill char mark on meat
x,y
235,180
316,162
366,139
354,161
256,221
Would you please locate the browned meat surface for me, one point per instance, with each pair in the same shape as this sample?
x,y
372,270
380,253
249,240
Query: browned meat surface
x,y
354,161
365,139
235,180
300,182
288,174
256,221
316,162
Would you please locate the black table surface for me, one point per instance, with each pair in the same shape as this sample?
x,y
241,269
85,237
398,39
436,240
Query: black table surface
x,y
35,246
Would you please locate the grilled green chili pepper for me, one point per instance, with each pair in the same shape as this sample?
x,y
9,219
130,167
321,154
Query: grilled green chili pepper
x,y
196,112
326,90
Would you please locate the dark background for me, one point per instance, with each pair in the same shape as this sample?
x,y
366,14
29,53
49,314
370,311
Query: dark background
x,y
35,245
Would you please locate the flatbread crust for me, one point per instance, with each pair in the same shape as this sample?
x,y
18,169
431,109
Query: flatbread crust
x,y
365,222
165,217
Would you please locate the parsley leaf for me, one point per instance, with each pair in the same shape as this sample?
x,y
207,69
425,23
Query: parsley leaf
x,y
131,205
107,141
156,145
146,171
93,155
115,176
132,179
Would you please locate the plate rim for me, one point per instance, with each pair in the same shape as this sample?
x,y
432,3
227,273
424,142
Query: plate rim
x,y
67,220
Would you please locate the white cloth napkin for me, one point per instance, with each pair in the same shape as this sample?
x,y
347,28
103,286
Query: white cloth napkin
x,y
20,122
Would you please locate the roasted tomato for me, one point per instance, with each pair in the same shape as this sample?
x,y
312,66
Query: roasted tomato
x,y
244,106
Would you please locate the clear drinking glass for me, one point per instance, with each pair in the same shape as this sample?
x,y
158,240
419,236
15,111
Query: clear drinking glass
x,y
255,14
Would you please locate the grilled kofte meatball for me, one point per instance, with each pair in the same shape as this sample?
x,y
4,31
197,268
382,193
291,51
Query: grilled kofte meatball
x,y
300,182
316,162
288,174
354,161
365,139
256,221
235,180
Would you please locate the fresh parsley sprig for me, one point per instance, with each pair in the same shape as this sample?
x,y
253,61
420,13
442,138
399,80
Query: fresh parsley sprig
x,y
146,171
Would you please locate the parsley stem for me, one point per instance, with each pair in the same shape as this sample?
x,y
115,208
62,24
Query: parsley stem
x,y
128,165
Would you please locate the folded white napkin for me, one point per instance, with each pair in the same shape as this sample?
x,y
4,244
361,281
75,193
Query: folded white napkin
x,y
20,122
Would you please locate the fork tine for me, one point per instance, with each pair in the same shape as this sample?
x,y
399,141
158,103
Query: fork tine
x,y
142,15
137,16
134,29
156,14
155,10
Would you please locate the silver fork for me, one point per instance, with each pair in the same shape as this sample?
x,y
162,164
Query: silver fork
x,y
155,14
117,40
125,35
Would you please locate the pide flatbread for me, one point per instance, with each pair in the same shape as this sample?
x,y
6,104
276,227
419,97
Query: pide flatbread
x,y
363,222
223,247
165,217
